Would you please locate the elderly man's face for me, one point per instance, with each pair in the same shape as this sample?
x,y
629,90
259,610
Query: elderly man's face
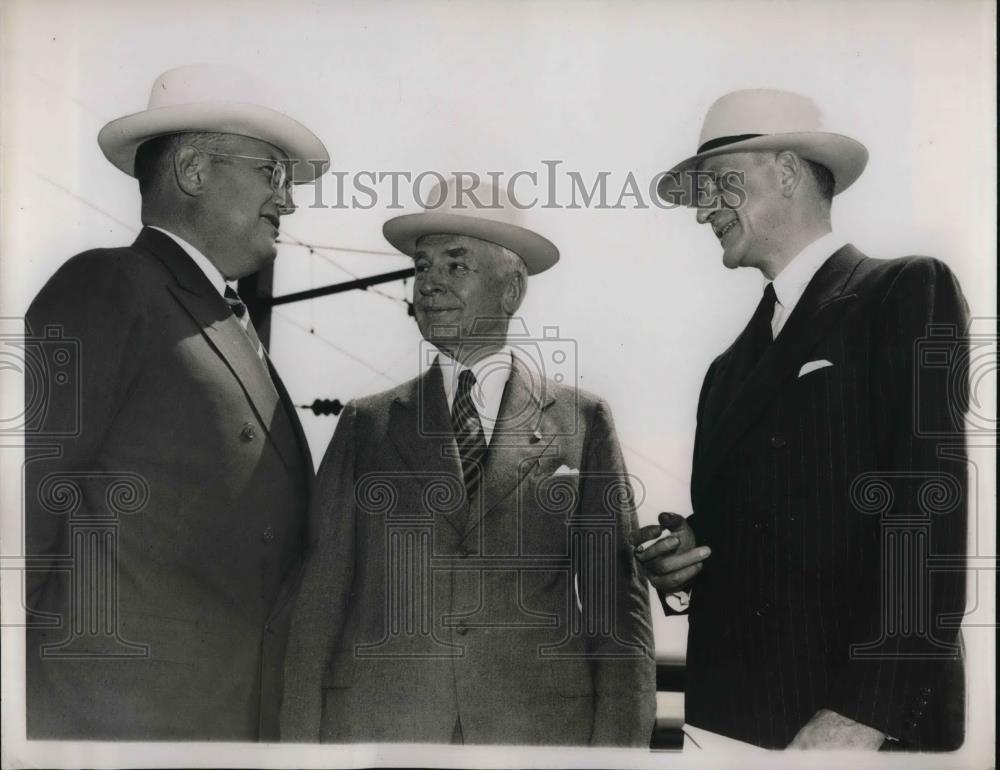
x,y
241,207
746,223
458,292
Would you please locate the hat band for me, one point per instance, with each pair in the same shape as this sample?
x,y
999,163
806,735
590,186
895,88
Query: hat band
x,y
722,141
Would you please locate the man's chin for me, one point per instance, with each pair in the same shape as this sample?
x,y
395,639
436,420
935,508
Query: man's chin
x,y
731,261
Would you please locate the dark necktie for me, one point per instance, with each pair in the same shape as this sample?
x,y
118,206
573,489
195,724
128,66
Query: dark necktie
x,y
468,433
756,339
240,311
761,335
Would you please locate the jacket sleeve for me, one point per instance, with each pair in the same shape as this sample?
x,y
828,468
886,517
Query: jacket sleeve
x,y
684,596
623,654
325,589
84,341
906,620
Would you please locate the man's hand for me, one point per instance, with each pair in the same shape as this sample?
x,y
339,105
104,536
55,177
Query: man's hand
x,y
829,730
671,562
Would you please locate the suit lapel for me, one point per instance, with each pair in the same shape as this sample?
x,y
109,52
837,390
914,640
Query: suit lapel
x,y
738,405
293,422
420,429
222,331
519,440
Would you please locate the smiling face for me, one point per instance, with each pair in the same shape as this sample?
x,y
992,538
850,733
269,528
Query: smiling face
x,y
748,221
462,295
238,209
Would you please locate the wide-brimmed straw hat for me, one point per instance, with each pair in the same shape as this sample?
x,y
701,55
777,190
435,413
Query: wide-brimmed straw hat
x,y
201,97
480,211
762,120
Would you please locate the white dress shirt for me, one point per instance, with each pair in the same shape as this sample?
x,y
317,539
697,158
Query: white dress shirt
x,y
790,283
211,272
215,277
492,373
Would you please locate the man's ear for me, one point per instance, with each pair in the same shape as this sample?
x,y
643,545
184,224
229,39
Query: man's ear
x,y
790,171
513,294
190,169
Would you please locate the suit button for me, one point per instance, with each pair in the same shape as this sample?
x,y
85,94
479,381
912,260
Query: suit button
x,y
778,442
268,535
461,630
249,432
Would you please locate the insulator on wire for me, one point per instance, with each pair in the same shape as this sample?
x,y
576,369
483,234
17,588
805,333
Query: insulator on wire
x,y
325,406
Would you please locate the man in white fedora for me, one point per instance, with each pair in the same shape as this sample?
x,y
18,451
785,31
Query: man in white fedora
x,y
171,624
472,582
829,462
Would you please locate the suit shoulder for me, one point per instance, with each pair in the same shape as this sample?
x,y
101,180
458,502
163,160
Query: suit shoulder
x,y
585,402
914,267
380,402
907,276
95,268
110,281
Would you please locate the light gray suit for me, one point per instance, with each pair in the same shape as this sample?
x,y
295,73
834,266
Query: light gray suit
x,y
519,618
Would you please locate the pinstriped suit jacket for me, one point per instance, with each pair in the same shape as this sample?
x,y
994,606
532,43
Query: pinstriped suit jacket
x,y
834,503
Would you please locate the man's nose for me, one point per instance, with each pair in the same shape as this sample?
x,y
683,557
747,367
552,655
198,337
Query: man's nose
x,y
283,198
704,214
430,282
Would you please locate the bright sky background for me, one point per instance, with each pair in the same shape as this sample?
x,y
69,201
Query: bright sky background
x,y
479,86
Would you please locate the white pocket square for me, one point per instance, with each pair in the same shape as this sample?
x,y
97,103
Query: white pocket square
x,y
565,470
812,366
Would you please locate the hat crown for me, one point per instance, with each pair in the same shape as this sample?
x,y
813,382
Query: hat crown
x,y
207,83
471,196
760,111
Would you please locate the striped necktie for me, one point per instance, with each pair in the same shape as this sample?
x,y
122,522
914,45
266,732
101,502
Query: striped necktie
x,y
468,433
240,311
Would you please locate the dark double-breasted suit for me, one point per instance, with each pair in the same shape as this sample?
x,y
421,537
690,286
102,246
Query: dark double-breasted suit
x,y
835,504
516,618
167,485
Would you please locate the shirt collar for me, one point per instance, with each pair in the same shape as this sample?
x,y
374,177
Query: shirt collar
x,y
492,372
792,281
211,272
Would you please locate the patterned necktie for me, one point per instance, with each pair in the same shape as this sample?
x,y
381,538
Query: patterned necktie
x,y
468,433
240,311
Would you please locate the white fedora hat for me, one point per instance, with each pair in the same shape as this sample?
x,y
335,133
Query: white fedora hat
x,y
482,211
203,97
765,119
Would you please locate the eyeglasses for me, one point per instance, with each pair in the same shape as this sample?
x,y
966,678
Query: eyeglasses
x,y
281,184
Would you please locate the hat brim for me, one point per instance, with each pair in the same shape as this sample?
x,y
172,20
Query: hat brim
x,y
846,158
120,138
537,253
